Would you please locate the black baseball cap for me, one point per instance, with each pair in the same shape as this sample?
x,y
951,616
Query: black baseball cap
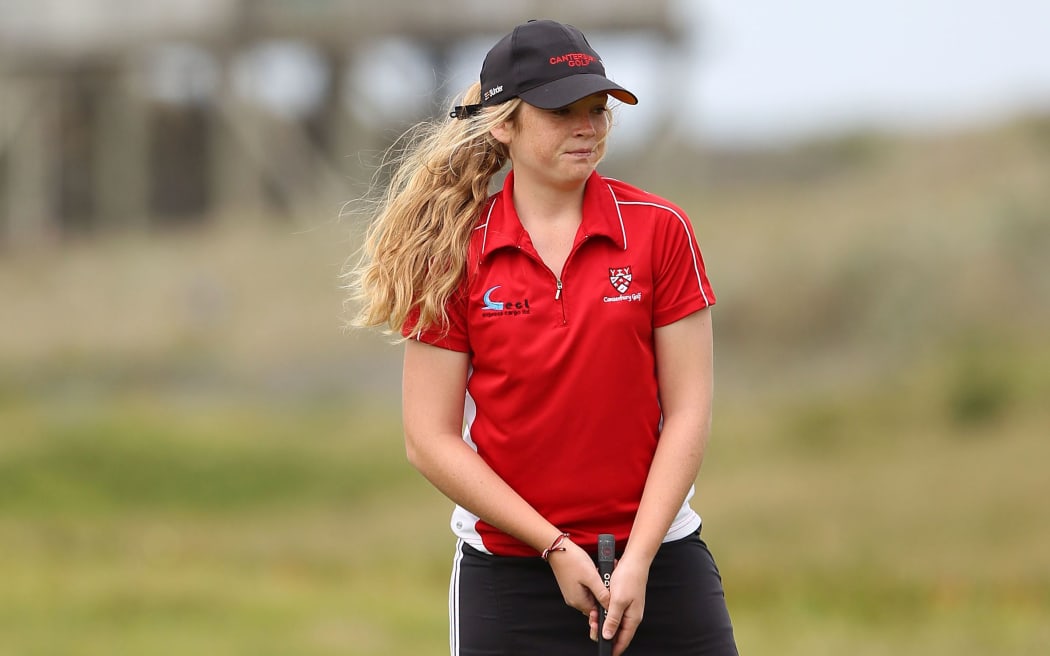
x,y
548,65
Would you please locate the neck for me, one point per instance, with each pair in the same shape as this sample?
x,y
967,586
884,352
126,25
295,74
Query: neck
x,y
539,204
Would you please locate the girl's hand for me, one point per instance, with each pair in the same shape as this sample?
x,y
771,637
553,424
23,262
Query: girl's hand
x,y
578,579
626,605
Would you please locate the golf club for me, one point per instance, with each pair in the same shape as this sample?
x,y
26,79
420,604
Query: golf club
x,y
606,558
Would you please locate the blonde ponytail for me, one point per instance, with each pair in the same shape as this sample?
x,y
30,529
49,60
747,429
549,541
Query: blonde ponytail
x,y
414,254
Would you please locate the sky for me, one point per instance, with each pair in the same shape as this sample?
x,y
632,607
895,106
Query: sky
x,y
771,70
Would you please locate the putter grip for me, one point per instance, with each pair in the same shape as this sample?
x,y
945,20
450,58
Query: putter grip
x,y
606,557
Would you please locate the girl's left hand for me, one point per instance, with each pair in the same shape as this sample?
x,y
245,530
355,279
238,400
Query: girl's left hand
x,y
626,605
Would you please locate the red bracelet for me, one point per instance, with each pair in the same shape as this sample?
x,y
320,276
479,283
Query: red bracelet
x,y
555,546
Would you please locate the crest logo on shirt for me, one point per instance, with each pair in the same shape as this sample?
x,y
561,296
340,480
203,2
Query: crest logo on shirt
x,y
620,278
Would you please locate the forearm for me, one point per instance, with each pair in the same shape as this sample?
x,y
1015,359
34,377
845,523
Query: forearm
x,y
433,386
459,473
675,467
685,378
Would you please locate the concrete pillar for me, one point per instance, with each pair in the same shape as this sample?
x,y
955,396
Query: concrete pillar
x,y
236,187
348,140
31,105
121,164
8,127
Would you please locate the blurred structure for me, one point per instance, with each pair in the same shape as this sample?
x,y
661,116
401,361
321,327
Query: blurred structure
x,y
127,114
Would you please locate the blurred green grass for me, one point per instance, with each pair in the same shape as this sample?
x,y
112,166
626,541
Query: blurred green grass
x,y
886,533
194,458
134,457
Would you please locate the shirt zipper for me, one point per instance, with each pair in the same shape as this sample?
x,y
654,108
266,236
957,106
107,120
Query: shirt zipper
x,y
558,283
561,302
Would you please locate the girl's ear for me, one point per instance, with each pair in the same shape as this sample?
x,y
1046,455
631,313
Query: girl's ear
x,y
502,132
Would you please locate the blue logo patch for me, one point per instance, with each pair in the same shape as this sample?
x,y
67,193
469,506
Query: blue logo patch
x,y
493,308
489,303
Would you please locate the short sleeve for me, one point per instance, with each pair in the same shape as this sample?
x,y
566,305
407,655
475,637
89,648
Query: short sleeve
x,y
454,336
680,284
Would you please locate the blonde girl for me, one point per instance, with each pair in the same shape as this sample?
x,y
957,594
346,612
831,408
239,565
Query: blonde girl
x,y
557,378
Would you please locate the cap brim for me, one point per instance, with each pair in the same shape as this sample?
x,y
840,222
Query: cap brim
x,y
569,89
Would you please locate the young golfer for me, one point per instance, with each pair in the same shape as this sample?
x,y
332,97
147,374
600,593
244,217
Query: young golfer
x,y
557,366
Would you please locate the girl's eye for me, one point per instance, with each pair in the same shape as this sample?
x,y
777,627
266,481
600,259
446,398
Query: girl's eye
x,y
566,111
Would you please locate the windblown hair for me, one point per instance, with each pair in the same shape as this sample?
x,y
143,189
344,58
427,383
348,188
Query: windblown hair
x,y
415,250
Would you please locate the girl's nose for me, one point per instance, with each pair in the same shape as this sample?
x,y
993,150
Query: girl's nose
x,y
585,124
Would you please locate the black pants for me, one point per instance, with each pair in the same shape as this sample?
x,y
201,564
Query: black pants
x,y
502,606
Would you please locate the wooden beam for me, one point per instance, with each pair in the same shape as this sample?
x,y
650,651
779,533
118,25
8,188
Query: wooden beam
x,y
47,33
340,21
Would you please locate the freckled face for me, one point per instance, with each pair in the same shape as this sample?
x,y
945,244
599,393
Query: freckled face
x,y
557,147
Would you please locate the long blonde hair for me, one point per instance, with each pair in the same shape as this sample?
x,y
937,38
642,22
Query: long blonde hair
x,y
415,250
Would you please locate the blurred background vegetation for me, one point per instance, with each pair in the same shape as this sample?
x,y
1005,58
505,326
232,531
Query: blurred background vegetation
x,y
196,457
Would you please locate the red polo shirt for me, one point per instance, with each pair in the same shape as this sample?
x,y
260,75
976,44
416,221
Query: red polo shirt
x,y
562,398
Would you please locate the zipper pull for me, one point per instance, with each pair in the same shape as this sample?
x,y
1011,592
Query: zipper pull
x,y
557,294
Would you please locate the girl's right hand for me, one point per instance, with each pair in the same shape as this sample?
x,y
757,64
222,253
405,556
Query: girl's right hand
x,y
581,586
